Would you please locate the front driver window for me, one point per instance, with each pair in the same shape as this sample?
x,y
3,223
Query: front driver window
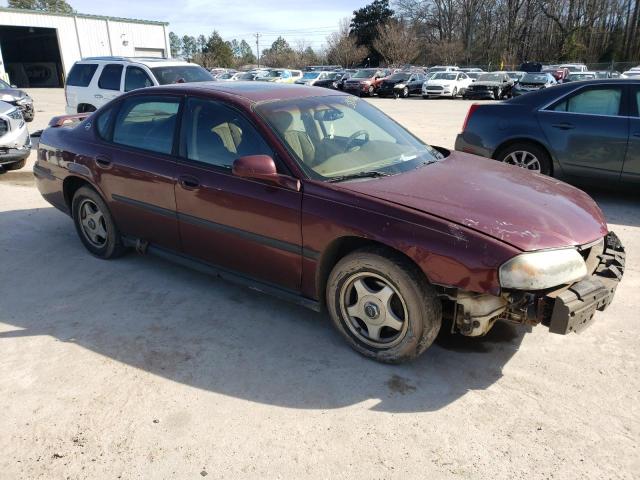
x,y
601,101
218,135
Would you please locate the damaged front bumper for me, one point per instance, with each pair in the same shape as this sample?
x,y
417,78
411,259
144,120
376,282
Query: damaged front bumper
x,y
564,310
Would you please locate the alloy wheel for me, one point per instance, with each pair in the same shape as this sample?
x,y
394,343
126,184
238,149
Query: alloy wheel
x,y
374,310
92,223
523,159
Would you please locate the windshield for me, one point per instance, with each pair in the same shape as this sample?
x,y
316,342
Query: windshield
x,y
490,77
444,76
535,78
514,75
364,74
311,75
399,77
334,136
187,73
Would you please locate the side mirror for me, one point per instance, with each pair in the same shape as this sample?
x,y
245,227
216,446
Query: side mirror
x,y
262,167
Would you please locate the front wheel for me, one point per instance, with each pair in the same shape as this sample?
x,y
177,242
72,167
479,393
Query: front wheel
x,y
371,91
94,224
454,94
405,92
383,305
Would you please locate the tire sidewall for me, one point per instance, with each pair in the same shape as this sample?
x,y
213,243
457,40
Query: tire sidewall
x,y
113,246
421,329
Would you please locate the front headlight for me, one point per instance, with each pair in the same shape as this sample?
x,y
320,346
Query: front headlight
x,y
8,98
542,270
400,85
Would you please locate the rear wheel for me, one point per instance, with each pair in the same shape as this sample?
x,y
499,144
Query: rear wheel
x,y
94,224
383,305
526,155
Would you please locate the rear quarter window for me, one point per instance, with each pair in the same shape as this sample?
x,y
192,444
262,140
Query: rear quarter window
x,y
81,74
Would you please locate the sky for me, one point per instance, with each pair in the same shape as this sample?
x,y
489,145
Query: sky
x,y
306,20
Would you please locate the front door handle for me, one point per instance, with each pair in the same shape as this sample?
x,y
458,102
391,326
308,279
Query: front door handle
x,y
563,126
188,182
97,95
103,161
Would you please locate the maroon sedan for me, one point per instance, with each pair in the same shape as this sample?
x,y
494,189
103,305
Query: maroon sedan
x,y
318,197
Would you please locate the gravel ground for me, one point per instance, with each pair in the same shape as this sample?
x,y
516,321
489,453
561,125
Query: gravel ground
x,y
138,368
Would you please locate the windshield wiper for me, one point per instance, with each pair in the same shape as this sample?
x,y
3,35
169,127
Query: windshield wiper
x,y
367,174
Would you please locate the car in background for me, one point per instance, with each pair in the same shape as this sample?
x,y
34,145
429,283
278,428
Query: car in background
x,y
515,75
587,130
494,85
322,199
15,143
532,82
632,73
607,74
225,77
281,75
442,68
401,84
530,67
310,78
446,84
560,74
243,76
578,76
574,67
18,98
363,82
346,75
330,80
471,70
93,82
474,75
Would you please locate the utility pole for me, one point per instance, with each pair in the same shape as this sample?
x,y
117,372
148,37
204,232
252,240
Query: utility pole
x,y
258,35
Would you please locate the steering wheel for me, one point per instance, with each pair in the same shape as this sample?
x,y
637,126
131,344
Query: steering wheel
x,y
360,133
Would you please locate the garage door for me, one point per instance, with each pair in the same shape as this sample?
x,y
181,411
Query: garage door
x,y
150,52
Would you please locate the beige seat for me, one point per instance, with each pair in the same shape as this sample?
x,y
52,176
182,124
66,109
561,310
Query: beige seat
x,y
230,134
298,141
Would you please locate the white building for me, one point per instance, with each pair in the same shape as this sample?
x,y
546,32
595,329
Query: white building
x,y
37,49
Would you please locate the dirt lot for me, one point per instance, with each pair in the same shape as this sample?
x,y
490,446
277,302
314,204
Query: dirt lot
x,y
138,368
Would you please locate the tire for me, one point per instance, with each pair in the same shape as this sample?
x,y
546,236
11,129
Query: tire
x,y
105,245
406,301
497,94
513,154
405,92
371,91
15,165
425,97
454,94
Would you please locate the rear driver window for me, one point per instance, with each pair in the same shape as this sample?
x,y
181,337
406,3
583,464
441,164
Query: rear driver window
x,y
601,101
81,74
110,77
147,122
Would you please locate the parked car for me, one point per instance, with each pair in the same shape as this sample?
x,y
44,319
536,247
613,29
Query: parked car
x,y
243,76
322,199
330,80
532,82
18,98
469,70
346,75
363,82
574,67
15,143
578,76
94,81
225,77
631,74
495,85
560,74
515,75
310,78
576,131
607,74
446,84
442,68
281,75
401,84
530,67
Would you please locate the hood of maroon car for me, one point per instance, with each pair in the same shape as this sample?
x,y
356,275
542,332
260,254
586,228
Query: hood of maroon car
x,y
526,210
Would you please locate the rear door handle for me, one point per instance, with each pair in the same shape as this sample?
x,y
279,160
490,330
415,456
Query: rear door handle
x,y
188,182
103,161
563,126
97,95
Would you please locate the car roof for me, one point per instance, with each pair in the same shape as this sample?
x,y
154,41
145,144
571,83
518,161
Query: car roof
x,y
255,91
148,61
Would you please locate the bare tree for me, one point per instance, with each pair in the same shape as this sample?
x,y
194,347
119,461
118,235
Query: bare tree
x,y
342,48
397,43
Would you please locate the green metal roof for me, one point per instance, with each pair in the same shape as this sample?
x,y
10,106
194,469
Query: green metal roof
x,y
80,15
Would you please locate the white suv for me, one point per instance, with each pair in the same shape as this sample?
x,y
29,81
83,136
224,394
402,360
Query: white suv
x,y
94,81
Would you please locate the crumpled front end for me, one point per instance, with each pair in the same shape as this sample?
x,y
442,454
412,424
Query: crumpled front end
x,y
566,309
